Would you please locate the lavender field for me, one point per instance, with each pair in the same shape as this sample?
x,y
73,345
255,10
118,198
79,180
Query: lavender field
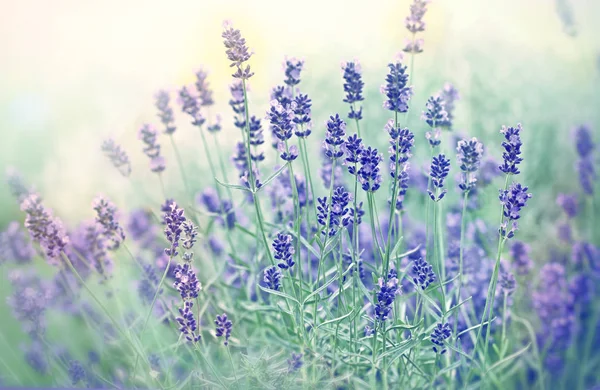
x,y
278,195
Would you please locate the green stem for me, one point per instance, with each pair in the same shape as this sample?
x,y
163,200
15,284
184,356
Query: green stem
x,y
463,222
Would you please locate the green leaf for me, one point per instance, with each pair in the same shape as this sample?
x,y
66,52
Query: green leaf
x,y
271,178
508,358
281,294
398,350
405,254
336,319
404,326
234,186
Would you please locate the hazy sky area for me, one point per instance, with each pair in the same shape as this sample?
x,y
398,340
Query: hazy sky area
x,y
73,73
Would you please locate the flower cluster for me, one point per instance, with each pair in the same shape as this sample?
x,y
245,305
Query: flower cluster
x,y
519,251
396,91
585,148
14,245
353,87
282,125
386,296
148,135
272,278
292,68
44,228
17,185
414,24
469,159
205,94
186,281
440,166
284,250
334,137
187,322
440,333
449,95
401,143
423,273
237,51
106,217
165,112
334,215
223,327
295,362
512,149
190,104
301,107
435,116
117,156
174,220
512,200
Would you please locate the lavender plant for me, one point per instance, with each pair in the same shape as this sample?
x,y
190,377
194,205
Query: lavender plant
x,y
366,280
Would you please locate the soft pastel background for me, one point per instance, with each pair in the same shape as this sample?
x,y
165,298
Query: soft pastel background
x,y
73,73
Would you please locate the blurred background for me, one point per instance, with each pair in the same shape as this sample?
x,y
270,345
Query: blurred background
x,y
74,73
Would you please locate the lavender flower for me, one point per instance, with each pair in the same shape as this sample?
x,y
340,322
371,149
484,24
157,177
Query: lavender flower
x,y
36,358
449,95
44,228
174,220
148,284
292,68
414,24
512,149
301,107
205,94
186,281
353,87
215,127
190,105
440,166
14,245
255,132
223,327
435,116
507,282
385,298
368,174
148,135
401,143
294,362
337,211
520,253
469,158
165,112
440,333
396,91
29,301
272,277
423,272
334,137
512,200
106,217
569,204
585,166
237,51
76,372
17,185
281,119
117,157
284,250
187,322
